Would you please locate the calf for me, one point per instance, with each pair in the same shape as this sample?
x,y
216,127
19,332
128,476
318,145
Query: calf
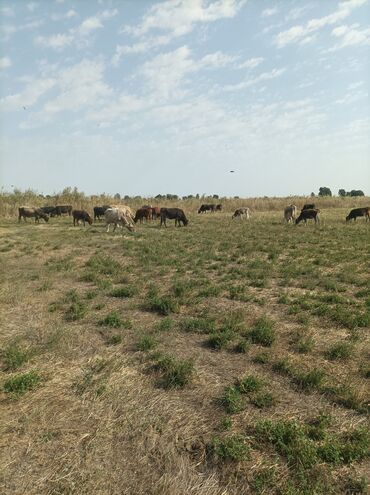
x,y
81,215
118,218
30,212
359,212
290,212
173,214
143,213
99,211
307,214
243,212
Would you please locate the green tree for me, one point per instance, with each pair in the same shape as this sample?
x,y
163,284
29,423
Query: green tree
x,y
324,191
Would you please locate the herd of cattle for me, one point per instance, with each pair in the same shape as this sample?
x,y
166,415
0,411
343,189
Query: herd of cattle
x,y
123,216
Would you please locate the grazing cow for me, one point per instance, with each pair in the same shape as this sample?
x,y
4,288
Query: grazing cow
x,y
49,210
219,207
173,214
290,212
143,213
207,207
63,209
147,206
156,212
359,212
30,212
307,214
243,212
81,215
126,210
308,207
99,211
118,218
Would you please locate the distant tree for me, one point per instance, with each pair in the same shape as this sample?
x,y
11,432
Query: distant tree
x,y
341,192
159,196
236,197
324,191
126,197
117,196
357,192
197,196
312,195
215,196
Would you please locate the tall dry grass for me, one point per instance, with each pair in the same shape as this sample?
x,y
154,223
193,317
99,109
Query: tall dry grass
x,y
10,202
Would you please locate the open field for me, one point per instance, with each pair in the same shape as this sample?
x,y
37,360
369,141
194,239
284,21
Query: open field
x,y
222,358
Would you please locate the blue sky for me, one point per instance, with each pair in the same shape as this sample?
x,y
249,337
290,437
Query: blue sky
x,y
145,97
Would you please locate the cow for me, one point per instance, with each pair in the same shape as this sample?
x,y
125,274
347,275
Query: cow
x,y
126,210
219,207
99,211
207,207
243,212
81,215
156,212
118,218
142,213
290,212
307,214
63,209
173,214
31,212
308,207
359,212
49,210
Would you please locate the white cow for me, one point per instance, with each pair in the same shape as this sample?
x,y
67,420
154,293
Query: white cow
x,y
118,218
243,212
126,210
290,212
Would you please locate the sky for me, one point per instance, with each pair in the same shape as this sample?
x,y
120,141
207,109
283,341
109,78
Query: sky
x,y
147,97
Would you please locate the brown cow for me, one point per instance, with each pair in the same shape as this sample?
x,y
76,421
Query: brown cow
x,y
156,212
307,214
143,213
359,212
30,212
81,215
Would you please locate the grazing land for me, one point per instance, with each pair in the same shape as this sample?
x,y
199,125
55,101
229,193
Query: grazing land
x,y
225,357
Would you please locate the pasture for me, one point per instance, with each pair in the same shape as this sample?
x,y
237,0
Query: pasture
x,y
222,358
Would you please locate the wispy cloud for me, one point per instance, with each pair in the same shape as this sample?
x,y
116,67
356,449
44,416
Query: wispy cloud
x,y
350,35
270,12
56,41
5,62
296,33
255,80
29,96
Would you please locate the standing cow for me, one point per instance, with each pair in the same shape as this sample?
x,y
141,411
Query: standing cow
x,y
173,214
63,210
99,211
143,213
118,218
81,215
243,212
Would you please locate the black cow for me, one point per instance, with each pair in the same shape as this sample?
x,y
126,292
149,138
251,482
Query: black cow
x,y
63,209
49,210
99,211
219,207
173,214
308,207
30,212
307,214
81,215
204,208
359,212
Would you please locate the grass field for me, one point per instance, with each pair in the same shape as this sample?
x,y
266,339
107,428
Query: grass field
x,y
223,358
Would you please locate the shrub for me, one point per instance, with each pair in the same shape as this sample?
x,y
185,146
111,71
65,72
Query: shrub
x,y
176,373
232,448
310,380
262,358
263,400
218,340
242,346
263,479
164,325
19,384
76,311
163,305
304,344
250,383
263,332
114,320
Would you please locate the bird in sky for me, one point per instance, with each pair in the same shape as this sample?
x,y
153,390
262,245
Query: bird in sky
x,y
232,171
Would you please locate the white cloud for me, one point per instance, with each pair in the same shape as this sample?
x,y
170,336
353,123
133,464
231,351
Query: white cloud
x,y
217,60
253,81
8,29
95,22
140,47
180,16
32,6
251,63
350,36
29,96
56,41
296,33
80,85
7,11
5,62
68,15
269,12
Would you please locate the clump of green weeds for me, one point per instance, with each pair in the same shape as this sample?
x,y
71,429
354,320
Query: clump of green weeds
x,y
21,383
262,332
340,350
232,448
176,373
122,292
147,342
14,356
114,320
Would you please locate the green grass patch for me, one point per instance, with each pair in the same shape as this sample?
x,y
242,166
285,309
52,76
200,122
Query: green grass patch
x,y
262,332
232,448
176,373
21,383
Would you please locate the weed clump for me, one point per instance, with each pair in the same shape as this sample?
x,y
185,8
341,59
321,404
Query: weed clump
x,y
233,400
122,292
232,448
340,350
114,320
14,356
163,305
198,325
176,373
146,343
262,332
19,384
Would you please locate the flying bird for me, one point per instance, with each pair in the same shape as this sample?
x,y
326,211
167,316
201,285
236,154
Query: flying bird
x,y
232,171
24,108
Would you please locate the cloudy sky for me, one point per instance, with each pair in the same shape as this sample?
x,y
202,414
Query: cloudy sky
x,y
147,97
